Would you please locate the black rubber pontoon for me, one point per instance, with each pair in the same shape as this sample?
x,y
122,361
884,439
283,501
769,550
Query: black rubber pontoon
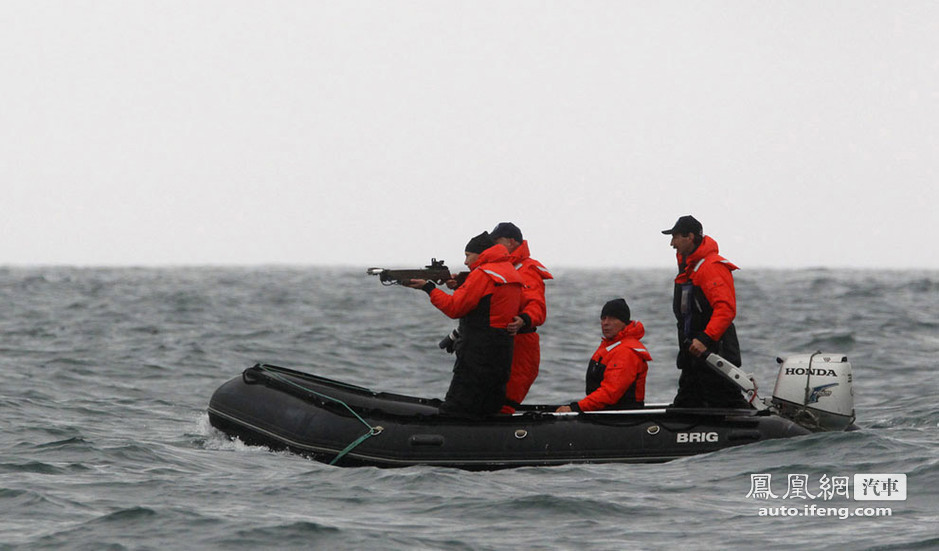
x,y
347,425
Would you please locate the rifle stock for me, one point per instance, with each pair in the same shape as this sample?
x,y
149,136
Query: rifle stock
x,y
437,272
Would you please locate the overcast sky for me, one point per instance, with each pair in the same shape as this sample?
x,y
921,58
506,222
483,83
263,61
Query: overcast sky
x,y
802,134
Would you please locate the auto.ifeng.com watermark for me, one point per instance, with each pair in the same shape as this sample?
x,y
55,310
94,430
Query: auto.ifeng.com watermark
x,y
799,487
815,510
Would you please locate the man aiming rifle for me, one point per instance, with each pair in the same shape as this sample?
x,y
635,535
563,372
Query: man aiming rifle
x,y
485,304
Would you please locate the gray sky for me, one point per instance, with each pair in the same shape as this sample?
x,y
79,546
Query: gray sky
x,y
801,134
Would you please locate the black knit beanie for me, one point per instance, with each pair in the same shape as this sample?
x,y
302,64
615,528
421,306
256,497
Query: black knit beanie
x,y
616,308
479,243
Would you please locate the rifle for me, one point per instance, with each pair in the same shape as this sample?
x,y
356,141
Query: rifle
x,y
437,272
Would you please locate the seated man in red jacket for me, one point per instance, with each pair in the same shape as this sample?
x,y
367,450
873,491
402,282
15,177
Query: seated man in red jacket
x,y
616,374
486,303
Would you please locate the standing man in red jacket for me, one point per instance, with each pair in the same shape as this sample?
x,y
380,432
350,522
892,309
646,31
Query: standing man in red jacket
x,y
705,305
616,374
486,303
533,312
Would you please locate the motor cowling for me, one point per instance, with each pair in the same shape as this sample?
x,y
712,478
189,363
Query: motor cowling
x,y
815,391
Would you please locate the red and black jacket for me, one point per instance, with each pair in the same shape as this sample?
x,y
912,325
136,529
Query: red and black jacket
x,y
705,302
616,374
489,298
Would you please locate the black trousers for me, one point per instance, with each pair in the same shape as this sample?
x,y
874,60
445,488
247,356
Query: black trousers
x,y
482,368
699,386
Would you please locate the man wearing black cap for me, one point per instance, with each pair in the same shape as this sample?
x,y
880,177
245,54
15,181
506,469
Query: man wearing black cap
x,y
533,312
705,306
616,374
486,303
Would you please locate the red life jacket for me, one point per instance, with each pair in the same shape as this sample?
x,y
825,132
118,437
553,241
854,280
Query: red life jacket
x,y
492,283
534,309
705,275
616,375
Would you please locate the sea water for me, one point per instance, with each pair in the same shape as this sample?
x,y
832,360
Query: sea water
x,y
105,441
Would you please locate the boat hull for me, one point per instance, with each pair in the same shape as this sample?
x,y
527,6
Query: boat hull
x,y
352,426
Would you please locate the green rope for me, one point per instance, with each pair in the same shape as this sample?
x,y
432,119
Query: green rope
x,y
372,431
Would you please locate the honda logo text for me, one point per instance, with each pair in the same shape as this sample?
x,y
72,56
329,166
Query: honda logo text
x,y
812,371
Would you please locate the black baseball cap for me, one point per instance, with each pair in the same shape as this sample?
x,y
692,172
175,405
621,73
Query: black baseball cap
x,y
506,229
686,224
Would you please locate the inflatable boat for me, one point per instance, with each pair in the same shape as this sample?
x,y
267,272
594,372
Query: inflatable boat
x,y
348,425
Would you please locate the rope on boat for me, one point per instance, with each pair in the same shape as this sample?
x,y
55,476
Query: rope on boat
x,y
372,431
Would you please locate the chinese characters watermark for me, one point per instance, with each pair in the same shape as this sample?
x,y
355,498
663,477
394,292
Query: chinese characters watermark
x,y
800,489
867,487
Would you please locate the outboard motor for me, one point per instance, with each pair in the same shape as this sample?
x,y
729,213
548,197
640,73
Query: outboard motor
x,y
815,391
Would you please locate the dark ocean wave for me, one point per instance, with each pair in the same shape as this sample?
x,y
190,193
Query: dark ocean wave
x,y
106,443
